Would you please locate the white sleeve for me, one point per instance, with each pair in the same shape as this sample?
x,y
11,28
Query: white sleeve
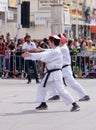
x,y
42,56
24,46
47,49
46,56
37,56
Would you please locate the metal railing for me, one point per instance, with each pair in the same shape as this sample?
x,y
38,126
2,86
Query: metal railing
x,y
83,66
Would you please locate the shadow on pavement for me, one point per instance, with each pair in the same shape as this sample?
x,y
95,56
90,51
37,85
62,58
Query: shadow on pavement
x,y
27,112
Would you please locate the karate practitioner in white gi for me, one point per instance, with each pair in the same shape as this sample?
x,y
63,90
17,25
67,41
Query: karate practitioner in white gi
x,y
53,77
67,74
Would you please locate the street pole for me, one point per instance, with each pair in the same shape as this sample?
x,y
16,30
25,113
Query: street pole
x,y
76,20
19,2
5,32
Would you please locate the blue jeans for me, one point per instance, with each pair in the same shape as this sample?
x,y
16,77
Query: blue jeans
x,y
29,65
1,65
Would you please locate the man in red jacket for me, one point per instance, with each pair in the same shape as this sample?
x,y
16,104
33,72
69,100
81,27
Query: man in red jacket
x,y
2,52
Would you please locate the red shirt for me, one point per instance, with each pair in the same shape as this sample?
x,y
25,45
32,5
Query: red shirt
x,y
2,49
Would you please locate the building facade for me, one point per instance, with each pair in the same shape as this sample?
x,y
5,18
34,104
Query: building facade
x,y
75,20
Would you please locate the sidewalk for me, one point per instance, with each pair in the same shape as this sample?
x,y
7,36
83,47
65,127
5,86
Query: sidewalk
x,y
17,108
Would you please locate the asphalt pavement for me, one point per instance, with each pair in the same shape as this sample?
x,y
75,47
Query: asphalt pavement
x,y
18,102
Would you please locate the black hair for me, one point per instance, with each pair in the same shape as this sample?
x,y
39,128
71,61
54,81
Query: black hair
x,y
8,34
28,36
59,35
69,42
56,41
45,40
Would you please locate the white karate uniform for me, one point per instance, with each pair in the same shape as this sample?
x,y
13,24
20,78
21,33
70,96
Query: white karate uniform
x,y
67,74
53,60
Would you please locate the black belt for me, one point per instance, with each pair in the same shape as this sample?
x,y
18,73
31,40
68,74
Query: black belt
x,y
64,82
65,66
48,74
63,78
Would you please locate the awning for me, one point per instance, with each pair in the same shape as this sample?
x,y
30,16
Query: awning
x,y
93,29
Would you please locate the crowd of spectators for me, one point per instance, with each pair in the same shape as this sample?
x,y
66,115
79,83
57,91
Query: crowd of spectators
x,y
12,65
83,56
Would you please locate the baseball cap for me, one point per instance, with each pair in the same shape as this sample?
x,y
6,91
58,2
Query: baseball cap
x,y
22,39
62,38
55,36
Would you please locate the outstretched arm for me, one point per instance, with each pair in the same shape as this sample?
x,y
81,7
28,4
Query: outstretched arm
x,y
26,54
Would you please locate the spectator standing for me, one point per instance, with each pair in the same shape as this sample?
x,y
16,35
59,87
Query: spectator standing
x,y
29,46
12,48
10,44
2,52
89,46
19,59
7,58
